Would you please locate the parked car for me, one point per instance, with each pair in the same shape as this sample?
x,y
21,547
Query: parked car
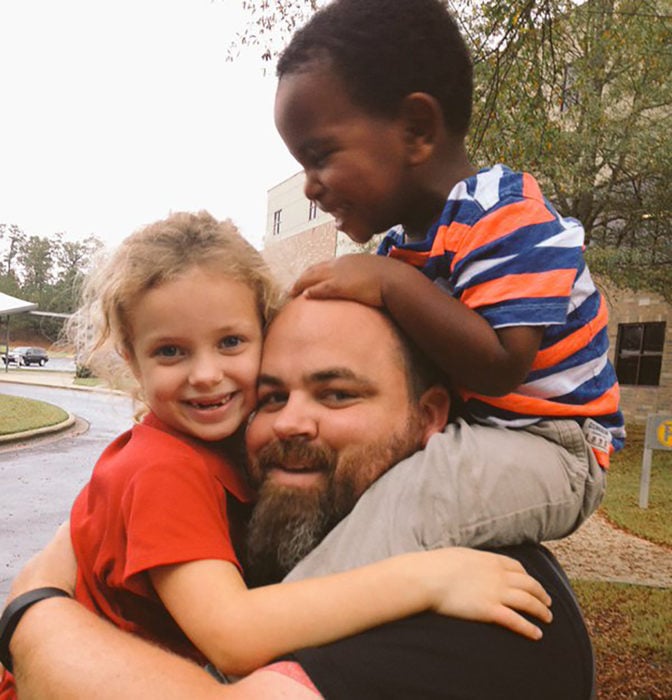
x,y
27,356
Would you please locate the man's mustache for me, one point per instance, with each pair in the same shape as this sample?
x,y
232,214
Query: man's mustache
x,y
296,453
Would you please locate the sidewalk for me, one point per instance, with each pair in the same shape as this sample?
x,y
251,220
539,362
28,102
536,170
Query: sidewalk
x,y
65,380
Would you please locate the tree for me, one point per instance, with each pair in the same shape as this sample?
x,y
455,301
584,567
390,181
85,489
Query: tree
x,y
46,270
587,105
13,238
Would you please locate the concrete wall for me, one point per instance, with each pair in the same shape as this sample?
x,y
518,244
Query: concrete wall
x,y
288,199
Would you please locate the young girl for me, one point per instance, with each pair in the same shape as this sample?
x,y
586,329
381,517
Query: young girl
x,y
184,302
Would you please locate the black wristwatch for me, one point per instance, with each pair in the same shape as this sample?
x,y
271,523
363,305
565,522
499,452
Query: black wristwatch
x,y
13,614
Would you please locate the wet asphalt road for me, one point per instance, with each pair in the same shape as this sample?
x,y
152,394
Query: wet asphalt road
x,y
39,480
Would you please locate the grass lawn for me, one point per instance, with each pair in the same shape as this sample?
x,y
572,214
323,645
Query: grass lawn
x,y
631,631
631,626
621,503
19,414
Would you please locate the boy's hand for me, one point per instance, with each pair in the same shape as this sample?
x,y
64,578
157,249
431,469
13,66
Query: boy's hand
x,y
357,277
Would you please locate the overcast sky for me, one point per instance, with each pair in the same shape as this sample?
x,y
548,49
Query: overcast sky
x,y
115,112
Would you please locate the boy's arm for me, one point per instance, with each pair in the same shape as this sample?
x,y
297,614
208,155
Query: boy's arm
x,y
473,355
240,629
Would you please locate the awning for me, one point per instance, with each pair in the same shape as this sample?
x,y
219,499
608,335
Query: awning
x,y
12,305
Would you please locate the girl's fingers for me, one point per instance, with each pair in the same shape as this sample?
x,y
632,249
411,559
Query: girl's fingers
x,y
531,585
523,601
506,617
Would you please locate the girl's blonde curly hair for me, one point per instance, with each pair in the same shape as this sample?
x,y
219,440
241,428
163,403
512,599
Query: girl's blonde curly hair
x,y
100,330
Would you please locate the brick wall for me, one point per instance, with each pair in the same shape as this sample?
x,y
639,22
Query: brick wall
x,y
287,258
627,306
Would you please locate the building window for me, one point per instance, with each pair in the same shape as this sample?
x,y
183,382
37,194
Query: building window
x,y
312,210
639,353
276,222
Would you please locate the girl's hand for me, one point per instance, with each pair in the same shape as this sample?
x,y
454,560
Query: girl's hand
x,y
487,587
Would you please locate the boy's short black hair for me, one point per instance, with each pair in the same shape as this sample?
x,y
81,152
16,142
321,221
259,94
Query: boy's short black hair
x,y
384,50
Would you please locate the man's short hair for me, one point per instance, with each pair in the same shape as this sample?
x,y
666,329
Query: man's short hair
x,y
384,50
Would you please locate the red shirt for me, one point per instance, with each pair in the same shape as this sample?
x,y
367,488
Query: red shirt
x,y
155,498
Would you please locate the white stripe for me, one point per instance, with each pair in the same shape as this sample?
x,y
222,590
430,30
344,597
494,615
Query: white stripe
x,y
582,289
460,192
502,422
487,187
480,266
571,237
564,382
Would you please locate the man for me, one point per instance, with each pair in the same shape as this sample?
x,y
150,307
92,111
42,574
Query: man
x,y
341,399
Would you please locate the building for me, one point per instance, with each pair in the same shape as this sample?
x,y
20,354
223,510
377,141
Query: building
x,y
298,234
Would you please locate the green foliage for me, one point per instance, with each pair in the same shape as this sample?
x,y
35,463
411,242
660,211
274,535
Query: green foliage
x,y
580,95
45,270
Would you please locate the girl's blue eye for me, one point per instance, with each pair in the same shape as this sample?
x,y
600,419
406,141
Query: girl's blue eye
x,y
168,351
231,341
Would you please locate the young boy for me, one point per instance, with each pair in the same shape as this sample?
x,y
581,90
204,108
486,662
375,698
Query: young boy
x,y
374,100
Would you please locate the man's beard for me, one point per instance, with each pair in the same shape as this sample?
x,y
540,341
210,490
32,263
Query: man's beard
x,y
289,522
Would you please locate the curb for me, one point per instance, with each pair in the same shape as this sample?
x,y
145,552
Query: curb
x,y
46,430
72,387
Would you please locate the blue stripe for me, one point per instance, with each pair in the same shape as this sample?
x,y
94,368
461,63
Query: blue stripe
x,y
589,352
526,312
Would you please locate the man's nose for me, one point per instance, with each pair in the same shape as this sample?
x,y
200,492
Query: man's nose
x,y
295,419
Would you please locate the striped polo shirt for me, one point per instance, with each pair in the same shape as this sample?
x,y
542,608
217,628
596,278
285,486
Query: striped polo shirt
x,y
502,249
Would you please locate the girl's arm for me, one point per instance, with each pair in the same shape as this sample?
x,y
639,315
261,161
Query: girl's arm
x,y
240,629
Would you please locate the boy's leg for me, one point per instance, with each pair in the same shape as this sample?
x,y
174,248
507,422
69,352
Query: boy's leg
x,y
471,486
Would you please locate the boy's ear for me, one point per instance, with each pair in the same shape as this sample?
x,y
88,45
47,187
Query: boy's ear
x,y
434,409
423,123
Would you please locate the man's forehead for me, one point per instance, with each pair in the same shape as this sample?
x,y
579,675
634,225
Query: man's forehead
x,y
319,336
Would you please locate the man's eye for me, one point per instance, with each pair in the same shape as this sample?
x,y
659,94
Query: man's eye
x,y
168,351
231,342
272,401
339,396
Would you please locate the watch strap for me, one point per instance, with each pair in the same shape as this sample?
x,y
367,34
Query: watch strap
x,y
14,612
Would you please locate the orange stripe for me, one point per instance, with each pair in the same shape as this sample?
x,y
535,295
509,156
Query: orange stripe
x,y
603,458
412,257
557,283
572,343
503,221
531,406
449,238
531,187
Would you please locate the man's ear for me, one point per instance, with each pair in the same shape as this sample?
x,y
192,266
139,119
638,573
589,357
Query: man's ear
x,y
434,408
423,123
